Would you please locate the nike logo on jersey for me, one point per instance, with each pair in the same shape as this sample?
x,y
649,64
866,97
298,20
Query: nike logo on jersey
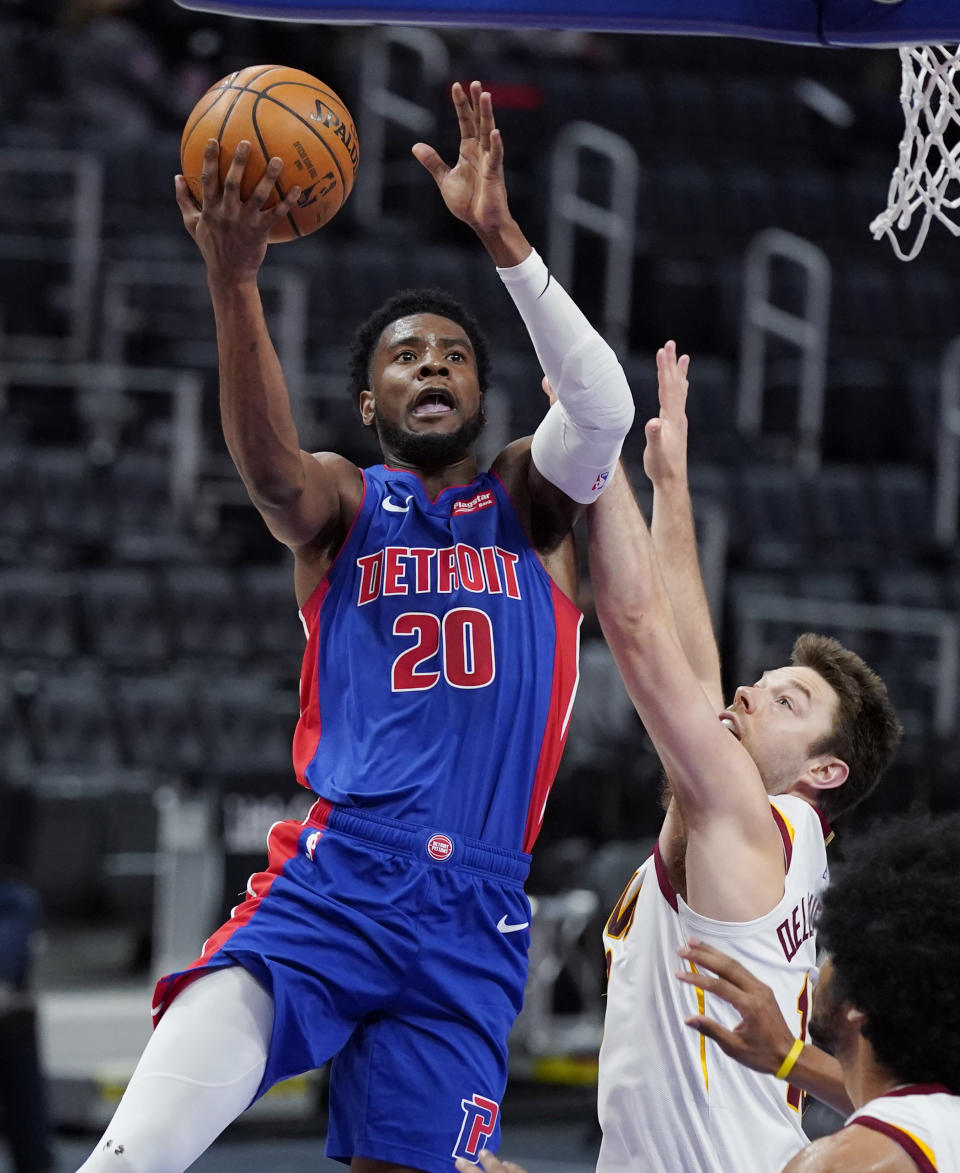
x,y
504,927
392,507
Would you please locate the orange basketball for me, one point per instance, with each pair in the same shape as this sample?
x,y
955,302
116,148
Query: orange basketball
x,y
282,112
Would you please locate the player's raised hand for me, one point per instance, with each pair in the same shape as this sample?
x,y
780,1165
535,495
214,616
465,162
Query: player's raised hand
x,y
473,189
761,1039
548,390
230,232
490,1164
665,455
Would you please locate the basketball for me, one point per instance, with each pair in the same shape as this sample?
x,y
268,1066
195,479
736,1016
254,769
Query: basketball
x,y
283,112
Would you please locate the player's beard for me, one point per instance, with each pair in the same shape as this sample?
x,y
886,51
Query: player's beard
x,y
430,451
828,1026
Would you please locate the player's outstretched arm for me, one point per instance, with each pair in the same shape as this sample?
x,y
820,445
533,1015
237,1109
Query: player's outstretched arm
x,y
762,1040
672,525
579,441
737,871
298,496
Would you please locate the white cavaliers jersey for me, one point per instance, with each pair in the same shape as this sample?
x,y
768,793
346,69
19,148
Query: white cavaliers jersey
x,y
923,1119
670,1101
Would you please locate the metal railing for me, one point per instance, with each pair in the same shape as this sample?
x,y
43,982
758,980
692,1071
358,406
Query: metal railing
x,y
947,457
67,188
105,388
808,331
285,297
382,107
801,614
612,223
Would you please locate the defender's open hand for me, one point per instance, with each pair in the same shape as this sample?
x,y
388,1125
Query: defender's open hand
x,y
473,189
665,456
489,1163
230,232
762,1039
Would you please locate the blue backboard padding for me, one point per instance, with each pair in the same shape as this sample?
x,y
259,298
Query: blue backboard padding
x,y
787,20
829,22
914,22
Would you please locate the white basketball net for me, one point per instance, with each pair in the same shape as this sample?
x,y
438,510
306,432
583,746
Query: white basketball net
x,y
926,181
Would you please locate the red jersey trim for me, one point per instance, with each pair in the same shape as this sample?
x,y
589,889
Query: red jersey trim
x,y
828,832
668,890
898,1136
563,690
309,729
311,603
920,1089
784,835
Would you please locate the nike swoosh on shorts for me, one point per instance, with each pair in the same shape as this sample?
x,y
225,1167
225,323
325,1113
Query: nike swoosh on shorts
x,y
505,928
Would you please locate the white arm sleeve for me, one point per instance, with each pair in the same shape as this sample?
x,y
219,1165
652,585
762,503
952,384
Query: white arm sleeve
x,y
577,445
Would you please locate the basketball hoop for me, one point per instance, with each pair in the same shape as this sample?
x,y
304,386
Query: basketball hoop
x,y
926,181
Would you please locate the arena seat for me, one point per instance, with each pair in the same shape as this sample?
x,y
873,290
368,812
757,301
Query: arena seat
x,y
159,722
38,613
266,592
72,716
16,752
124,623
207,617
74,504
249,725
19,516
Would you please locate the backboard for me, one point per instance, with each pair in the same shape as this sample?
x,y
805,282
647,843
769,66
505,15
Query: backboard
x,y
809,22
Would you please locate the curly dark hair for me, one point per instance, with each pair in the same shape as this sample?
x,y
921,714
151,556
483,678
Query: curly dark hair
x,y
891,921
867,729
402,305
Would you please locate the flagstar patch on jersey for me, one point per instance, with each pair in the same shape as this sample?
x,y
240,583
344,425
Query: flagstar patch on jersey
x,y
484,500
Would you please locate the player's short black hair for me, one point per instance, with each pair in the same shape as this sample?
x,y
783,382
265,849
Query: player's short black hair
x,y
402,305
891,921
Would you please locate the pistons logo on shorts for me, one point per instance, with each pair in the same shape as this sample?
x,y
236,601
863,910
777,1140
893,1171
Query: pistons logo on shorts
x,y
479,1122
440,847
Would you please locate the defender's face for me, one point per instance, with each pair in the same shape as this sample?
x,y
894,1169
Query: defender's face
x,y
779,719
828,1020
423,377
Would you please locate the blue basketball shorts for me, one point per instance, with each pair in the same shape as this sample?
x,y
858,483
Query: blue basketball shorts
x,y
401,954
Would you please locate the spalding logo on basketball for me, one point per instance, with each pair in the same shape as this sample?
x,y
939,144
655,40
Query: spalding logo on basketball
x,y
440,847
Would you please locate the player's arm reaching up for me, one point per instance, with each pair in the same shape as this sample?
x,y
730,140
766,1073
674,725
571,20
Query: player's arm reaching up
x,y
307,502
578,443
675,542
733,856
672,525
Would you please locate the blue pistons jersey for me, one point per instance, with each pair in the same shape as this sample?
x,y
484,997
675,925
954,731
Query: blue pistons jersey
x,y
441,665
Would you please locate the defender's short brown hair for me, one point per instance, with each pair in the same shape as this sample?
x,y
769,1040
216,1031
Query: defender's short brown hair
x,y
866,730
